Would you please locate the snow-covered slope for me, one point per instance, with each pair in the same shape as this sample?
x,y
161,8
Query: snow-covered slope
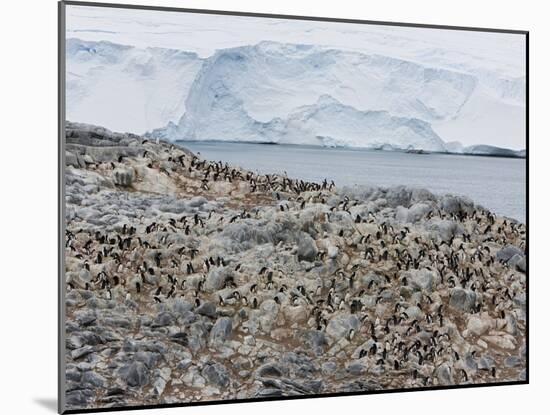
x,y
125,88
306,94
273,79
327,122
293,93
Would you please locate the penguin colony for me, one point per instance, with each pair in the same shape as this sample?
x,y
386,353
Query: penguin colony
x,y
190,280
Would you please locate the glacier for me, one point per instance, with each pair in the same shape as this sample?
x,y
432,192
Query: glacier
x,y
294,94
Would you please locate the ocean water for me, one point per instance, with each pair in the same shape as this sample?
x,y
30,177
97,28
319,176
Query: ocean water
x,y
499,184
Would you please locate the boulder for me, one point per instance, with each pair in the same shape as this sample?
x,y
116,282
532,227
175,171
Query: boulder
x,y
216,278
221,331
422,279
462,299
506,253
444,229
135,374
307,250
340,325
216,374
206,309
479,325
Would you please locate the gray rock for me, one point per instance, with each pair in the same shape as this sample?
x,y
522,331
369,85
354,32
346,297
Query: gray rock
x,y
422,279
444,229
221,331
72,159
486,362
269,392
462,299
270,370
93,379
163,319
456,204
181,307
206,309
216,374
444,374
340,325
357,368
216,278
149,358
412,214
184,364
81,352
328,368
512,361
315,340
78,398
135,374
506,253
307,250
521,265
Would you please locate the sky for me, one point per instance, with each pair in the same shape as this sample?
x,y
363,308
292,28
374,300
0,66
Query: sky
x,y
492,57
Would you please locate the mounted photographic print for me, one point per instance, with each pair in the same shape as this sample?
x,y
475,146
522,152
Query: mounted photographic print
x,y
262,207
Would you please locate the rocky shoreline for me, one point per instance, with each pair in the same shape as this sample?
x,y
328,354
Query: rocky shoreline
x,y
191,280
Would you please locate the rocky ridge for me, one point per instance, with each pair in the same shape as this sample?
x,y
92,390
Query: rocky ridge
x,y
191,280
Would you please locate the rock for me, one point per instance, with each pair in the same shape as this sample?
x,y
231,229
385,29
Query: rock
x,y
506,253
159,384
206,309
269,392
184,364
269,310
504,341
479,325
422,279
295,314
123,176
513,361
444,374
163,319
270,370
216,374
511,325
412,214
414,313
315,340
221,331
181,307
135,374
462,299
444,229
340,326
149,358
72,159
521,265
328,368
215,280
78,398
307,250
81,352
332,251
92,379
456,204
357,368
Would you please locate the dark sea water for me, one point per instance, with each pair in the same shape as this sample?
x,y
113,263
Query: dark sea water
x,y
499,184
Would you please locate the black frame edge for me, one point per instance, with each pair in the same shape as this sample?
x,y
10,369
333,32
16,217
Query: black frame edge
x,y
61,404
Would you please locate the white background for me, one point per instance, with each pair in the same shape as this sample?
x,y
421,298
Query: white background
x,y
28,206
